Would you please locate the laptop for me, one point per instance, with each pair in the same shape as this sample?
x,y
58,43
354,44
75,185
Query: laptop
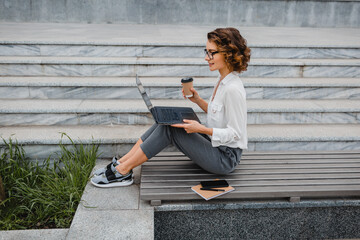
x,y
166,115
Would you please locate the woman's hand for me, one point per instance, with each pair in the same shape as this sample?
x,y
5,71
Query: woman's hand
x,y
192,126
195,98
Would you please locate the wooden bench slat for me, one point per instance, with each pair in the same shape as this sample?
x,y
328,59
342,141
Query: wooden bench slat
x,y
249,177
265,162
303,153
258,194
259,183
259,171
256,162
172,167
290,161
323,156
355,189
289,153
275,157
274,154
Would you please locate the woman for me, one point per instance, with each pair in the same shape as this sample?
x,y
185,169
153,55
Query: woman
x,y
217,147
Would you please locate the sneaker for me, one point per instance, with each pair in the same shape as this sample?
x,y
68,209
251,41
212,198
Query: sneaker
x,y
112,178
101,171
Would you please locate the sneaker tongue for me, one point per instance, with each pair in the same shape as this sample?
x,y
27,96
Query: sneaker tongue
x,y
113,167
114,160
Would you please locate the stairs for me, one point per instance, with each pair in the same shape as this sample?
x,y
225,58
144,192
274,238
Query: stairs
x,y
300,97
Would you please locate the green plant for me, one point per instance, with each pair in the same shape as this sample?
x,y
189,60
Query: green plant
x,y
43,195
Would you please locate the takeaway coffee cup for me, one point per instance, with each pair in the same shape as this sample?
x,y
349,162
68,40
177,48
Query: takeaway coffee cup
x,y
187,84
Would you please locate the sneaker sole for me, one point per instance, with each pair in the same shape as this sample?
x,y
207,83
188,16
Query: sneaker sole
x,y
114,184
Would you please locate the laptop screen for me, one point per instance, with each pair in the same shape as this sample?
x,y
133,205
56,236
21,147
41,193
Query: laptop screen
x,y
143,93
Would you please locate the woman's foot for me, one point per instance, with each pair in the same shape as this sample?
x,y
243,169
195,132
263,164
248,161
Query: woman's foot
x,y
101,171
112,178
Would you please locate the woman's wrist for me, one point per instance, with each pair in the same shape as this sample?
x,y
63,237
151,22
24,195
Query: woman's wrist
x,y
198,100
208,131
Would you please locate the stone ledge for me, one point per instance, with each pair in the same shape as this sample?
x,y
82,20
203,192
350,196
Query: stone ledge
x,y
112,213
137,105
167,35
119,134
43,234
255,204
59,60
262,82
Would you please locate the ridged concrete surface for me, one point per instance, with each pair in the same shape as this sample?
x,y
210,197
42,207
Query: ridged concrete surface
x,y
138,105
128,34
60,60
129,134
40,81
170,50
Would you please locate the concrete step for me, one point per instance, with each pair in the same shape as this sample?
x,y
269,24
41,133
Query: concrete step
x,y
133,111
170,50
32,234
169,87
41,141
167,35
114,66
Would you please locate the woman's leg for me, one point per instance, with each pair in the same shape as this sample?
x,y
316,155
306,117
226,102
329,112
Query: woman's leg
x,y
137,144
156,138
218,160
131,152
198,148
195,146
133,161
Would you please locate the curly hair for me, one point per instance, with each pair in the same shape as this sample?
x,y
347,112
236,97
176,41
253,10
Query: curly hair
x,y
233,46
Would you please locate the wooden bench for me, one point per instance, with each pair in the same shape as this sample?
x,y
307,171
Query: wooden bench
x,y
292,175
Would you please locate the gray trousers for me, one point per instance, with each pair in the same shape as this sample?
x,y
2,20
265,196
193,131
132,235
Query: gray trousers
x,y
218,160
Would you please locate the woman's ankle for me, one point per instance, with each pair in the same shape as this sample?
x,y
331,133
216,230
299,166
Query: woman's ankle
x,y
122,169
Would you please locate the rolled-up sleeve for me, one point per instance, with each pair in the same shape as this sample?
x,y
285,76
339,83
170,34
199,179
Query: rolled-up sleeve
x,y
235,120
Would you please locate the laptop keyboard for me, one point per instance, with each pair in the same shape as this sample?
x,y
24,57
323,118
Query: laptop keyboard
x,y
168,115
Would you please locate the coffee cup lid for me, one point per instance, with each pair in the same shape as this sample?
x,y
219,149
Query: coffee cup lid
x,y
186,80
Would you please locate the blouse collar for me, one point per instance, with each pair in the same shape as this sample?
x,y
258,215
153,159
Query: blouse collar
x,y
229,77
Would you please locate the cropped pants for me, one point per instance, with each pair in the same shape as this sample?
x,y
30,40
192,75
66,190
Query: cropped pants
x,y
219,160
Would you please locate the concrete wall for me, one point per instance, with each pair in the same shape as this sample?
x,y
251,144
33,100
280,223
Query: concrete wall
x,y
315,13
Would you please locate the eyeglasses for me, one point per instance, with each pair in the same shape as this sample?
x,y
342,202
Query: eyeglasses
x,y
210,54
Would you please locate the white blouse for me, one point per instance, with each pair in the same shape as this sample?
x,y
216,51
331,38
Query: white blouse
x,y
227,113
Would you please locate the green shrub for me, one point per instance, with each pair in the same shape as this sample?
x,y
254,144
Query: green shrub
x,y
43,195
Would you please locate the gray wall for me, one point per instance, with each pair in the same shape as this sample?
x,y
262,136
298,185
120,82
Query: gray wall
x,y
315,13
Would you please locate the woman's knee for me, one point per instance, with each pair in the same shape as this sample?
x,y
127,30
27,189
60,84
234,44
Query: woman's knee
x,y
148,132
